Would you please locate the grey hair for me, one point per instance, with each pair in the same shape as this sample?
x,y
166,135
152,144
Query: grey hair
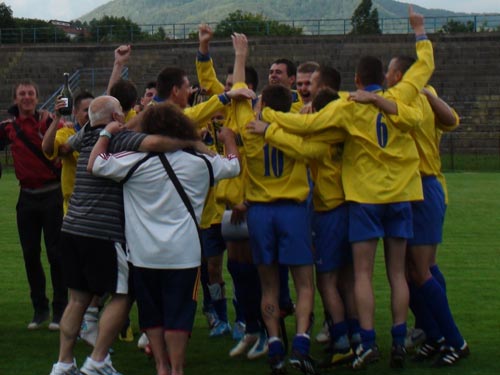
x,y
101,111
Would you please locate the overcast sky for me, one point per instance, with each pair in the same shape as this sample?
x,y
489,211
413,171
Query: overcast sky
x,y
67,10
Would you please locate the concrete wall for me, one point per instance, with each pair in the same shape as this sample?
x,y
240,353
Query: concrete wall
x,y
467,68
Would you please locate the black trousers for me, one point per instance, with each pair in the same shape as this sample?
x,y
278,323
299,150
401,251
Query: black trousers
x,y
37,213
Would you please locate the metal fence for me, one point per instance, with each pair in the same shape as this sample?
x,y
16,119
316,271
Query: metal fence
x,y
183,31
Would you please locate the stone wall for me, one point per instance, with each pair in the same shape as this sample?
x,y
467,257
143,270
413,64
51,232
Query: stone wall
x,y
467,69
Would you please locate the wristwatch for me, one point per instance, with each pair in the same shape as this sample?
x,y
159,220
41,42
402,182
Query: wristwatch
x,y
105,133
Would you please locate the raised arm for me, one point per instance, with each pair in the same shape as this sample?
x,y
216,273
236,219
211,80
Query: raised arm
x,y
50,135
122,55
204,64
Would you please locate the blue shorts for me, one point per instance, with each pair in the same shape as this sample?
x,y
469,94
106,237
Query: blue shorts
x,y
280,232
369,221
428,215
212,241
166,298
331,239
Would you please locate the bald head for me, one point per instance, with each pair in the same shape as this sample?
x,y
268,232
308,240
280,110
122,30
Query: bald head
x,y
105,109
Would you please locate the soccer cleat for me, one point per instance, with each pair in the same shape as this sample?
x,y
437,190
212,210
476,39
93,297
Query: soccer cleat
x,y
143,341
260,348
104,368
337,357
211,316
277,364
398,354
220,329
243,345
449,355
414,338
238,330
323,335
427,351
54,326
303,363
365,356
58,370
88,331
38,319
126,334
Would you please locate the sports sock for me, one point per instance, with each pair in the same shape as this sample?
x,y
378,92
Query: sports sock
x,y
276,347
368,337
301,343
424,318
438,275
338,335
207,300
235,271
354,335
398,333
218,295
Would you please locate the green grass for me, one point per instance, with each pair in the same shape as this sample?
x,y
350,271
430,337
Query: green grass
x,y
469,258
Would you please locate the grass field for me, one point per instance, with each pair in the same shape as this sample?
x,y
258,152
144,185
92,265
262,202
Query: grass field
x,y
469,258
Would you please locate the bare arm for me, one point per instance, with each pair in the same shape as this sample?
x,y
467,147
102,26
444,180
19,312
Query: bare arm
x,y
240,45
445,115
50,135
385,105
122,54
228,137
102,143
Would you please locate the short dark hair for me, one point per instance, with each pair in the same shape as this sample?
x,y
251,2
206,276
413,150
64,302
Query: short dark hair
x,y
168,119
308,67
291,69
277,97
168,79
151,85
329,77
126,93
82,95
251,76
26,82
370,71
324,97
403,63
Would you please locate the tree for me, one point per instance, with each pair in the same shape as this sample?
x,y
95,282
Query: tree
x,y
115,29
253,24
364,20
453,26
6,18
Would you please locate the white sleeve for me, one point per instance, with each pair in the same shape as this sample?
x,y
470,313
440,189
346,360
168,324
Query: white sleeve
x,y
114,166
223,167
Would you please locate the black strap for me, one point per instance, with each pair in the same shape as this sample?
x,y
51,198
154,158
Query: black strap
x,y
135,166
36,151
181,191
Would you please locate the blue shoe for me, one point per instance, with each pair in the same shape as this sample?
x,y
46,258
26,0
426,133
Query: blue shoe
x,y
220,329
260,347
211,316
238,330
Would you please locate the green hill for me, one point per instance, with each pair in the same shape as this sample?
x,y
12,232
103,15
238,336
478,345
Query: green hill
x,y
146,12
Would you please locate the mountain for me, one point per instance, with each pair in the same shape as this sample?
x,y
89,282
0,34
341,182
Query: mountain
x,y
161,12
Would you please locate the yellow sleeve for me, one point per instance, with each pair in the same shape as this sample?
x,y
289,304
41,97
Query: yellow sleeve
x,y
417,76
294,146
408,117
207,77
203,112
62,136
335,115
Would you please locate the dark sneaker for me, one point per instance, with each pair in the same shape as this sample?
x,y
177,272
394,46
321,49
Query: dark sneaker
x,y
277,364
398,353
38,319
427,351
337,357
303,363
365,356
449,355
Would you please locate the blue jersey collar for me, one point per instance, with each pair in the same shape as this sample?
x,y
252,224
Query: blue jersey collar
x,y
372,88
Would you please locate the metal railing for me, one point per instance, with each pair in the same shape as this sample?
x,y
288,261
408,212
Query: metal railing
x,y
183,31
83,78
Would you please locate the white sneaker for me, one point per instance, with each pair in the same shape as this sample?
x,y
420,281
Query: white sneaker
x,y
57,369
242,346
260,348
143,341
90,367
89,330
323,335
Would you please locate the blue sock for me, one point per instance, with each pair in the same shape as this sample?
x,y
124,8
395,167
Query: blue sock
x,y
338,330
302,344
437,274
437,303
276,348
422,313
367,338
217,292
207,300
234,270
353,329
398,333
250,296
